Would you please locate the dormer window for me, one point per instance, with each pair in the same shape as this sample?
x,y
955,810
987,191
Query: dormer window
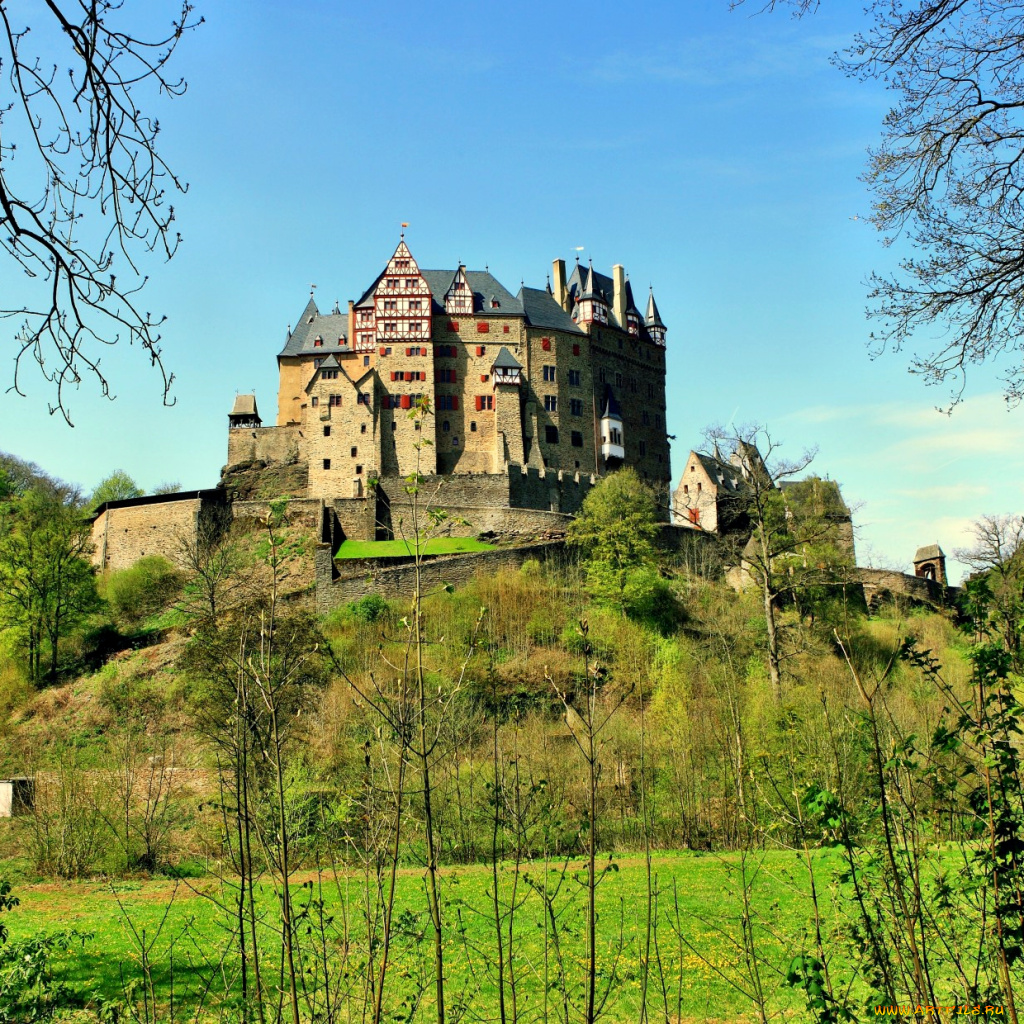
x,y
318,342
495,303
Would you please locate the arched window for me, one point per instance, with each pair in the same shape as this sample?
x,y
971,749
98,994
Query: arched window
x,y
446,426
455,441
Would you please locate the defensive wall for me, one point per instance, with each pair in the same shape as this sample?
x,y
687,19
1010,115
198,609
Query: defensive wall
x,y
127,530
881,585
269,445
338,582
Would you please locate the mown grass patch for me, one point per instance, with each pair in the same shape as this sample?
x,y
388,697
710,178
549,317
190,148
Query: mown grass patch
x,y
400,548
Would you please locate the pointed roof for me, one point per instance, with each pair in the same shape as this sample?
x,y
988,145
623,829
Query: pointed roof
x,y
653,318
504,360
630,301
610,408
926,553
541,310
330,363
245,405
312,324
590,290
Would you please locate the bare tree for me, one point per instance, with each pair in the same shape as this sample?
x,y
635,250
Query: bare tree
x,y
83,189
947,175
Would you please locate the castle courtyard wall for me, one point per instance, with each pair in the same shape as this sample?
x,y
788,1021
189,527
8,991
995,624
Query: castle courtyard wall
x,y
123,535
281,445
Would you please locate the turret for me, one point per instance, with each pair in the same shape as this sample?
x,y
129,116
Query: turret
x,y
653,322
633,317
612,448
592,306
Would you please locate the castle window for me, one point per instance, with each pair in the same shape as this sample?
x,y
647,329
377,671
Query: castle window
x,y
574,378
410,282
327,431
643,448
549,373
646,417
455,441
353,452
394,425
505,329
454,326
657,420
600,375
551,434
334,400
415,304
576,406
363,398
545,343
318,342
446,426
414,326
698,488
481,349
366,360
483,327
472,426
327,463
484,402
551,403
315,401
686,488
316,363
618,380
391,304
577,441
578,461
362,428
359,469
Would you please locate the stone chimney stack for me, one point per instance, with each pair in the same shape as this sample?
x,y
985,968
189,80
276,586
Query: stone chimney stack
x,y
619,303
558,286
351,323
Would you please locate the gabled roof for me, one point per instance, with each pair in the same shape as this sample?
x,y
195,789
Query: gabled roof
x,y
541,310
504,360
311,325
722,474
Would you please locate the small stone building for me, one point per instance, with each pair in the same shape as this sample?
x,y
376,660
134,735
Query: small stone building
x,y
930,564
711,495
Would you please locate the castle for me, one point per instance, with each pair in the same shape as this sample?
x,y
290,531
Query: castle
x,y
509,407
567,380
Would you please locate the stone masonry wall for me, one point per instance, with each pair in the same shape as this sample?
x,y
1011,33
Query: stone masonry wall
x,y
121,536
337,586
265,444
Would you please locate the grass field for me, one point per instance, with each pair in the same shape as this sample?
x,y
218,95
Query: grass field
x,y
396,548
699,897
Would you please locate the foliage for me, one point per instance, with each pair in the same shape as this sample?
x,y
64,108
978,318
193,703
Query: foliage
x,y
144,589
615,531
116,487
46,584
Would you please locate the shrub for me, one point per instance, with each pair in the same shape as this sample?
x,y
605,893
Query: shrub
x,y
144,589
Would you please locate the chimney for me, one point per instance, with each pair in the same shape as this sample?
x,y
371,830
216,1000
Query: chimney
x,y
351,323
558,288
619,305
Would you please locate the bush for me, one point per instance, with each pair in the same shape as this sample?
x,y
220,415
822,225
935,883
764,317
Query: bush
x,y
144,589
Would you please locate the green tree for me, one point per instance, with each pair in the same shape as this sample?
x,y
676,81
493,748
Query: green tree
x,y
46,583
116,487
616,531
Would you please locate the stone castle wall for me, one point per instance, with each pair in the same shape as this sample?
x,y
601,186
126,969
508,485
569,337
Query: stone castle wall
x,y
282,445
123,534
340,583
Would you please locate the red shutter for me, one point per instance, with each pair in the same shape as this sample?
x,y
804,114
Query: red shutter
x,y
479,350
505,329
483,378
483,327
453,376
386,402
453,326
545,343
383,350
392,374
455,403
575,350
406,401
479,402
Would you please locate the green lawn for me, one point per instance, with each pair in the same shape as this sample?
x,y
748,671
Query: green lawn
x,y
396,548
698,896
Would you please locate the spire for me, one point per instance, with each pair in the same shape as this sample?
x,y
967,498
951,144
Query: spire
x,y
630,301
653,318
549,284
588,291
310,311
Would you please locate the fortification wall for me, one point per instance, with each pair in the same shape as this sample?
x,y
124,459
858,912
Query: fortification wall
x,y
880,582
283,445
357,517
552,489
337,586
121,536
296,511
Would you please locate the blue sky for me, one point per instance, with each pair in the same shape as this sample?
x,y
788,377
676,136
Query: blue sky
x,y
715,154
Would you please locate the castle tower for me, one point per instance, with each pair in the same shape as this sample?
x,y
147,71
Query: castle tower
x,y
653,322
930,564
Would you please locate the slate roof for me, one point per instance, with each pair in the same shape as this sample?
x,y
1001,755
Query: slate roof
x,y
542,311
504,360
928,552
604,286
484,286
722,474
653,318
330,327
245,405
610,408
